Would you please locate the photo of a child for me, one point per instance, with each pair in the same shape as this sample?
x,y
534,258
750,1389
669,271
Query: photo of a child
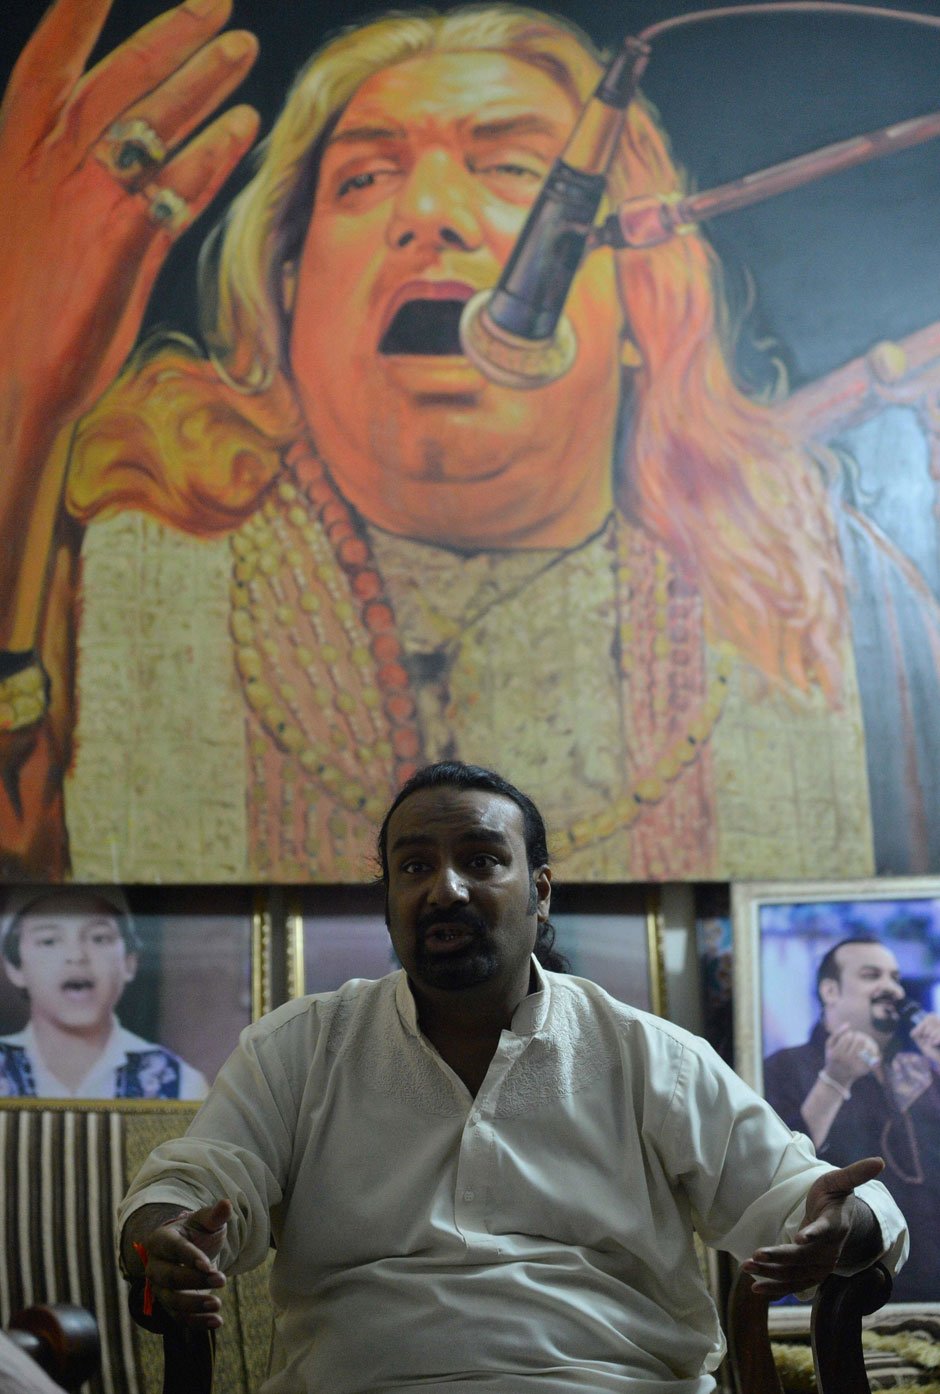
x,y
72,952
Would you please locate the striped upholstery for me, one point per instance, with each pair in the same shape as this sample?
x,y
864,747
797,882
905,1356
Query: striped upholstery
x,y
61,1174
63,1171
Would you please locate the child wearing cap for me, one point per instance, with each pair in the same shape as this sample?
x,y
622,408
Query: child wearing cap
x,y
73,951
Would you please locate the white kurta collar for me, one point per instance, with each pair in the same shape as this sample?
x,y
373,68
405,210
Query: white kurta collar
x,y
529,1017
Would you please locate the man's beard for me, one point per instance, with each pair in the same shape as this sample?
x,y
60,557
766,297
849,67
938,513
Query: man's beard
x,y
467,967
885,1023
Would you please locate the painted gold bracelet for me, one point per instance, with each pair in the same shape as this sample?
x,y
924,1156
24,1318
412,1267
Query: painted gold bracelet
x,y
23,698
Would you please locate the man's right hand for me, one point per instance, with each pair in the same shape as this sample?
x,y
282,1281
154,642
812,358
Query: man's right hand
x,y
850,1055
82,244
181,1267
100,172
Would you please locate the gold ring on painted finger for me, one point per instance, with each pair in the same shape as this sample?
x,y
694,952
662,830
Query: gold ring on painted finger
x,y
168,209
133,150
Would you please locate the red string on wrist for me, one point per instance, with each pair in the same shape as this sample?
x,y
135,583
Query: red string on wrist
x,y
144,1257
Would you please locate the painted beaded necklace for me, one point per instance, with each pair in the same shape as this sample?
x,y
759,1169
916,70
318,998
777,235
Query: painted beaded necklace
x,y
332,726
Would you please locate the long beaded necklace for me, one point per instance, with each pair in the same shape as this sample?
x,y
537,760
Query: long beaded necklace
x,y
670,708
332,718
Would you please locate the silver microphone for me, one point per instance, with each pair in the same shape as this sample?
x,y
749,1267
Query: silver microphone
x,y
516,334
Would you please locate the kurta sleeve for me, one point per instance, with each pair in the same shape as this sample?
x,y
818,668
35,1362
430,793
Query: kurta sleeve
x,y
239,1145
746,1174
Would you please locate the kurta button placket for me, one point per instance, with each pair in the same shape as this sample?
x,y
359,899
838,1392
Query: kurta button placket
x,y
473,1195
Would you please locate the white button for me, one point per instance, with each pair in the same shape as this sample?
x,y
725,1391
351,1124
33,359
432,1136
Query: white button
x,y
476,1116
469,1195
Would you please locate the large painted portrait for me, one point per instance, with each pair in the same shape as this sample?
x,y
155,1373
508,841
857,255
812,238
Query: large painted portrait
x,y
274,529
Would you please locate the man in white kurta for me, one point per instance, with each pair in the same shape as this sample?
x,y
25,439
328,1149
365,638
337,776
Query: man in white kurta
x,y
514,1212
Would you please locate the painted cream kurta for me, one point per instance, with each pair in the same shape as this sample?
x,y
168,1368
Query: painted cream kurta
x,y
513,664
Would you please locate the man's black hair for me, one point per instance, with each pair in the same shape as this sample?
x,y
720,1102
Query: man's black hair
x,y
829,966
454,774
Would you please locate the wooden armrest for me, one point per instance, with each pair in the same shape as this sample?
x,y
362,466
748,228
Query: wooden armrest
x,y
835,1333
836,1328
752,1362
188,1355
61,1338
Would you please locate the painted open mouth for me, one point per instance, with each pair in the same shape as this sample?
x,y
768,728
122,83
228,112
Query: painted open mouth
x,y
425,328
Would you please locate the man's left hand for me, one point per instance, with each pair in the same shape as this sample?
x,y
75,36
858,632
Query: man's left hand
x,y
836,1227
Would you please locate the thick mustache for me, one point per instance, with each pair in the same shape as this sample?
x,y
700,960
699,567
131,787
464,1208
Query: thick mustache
x,y
458,915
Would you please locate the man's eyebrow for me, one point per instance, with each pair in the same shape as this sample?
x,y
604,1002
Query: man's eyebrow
x,y
528,124
365,135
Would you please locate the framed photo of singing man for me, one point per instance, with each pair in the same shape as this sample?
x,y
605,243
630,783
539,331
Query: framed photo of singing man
x,y
837,994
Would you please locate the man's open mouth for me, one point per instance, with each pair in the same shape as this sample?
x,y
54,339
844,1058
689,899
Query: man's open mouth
x,y
448,939
426,328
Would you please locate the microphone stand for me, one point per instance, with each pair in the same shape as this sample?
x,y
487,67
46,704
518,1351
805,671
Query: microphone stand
x,y
646,222
517,334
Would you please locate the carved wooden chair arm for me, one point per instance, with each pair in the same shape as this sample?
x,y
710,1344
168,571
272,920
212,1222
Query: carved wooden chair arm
x,y
188,1356
836,1328
61,1338
835,1333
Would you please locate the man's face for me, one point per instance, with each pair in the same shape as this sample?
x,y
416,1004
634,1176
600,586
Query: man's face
x,y
868,992
73,963
423,189
462,907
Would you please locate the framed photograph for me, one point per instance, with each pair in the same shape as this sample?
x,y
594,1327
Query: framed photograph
x,y
126,997
610,934
335,933
837,1024
614,936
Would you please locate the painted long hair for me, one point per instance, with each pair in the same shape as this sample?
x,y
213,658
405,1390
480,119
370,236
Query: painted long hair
x,y
711,474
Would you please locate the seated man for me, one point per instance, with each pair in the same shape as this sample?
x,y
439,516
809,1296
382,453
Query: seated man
x,y
72,953
477,1170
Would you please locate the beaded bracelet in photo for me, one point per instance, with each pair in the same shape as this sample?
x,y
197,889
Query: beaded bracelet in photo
x,y
834,1084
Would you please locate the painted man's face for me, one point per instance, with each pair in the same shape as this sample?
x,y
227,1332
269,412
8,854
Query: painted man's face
x,y
424,187
73,963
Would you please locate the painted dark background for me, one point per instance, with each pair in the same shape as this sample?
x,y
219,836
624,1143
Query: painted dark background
x,y
835,267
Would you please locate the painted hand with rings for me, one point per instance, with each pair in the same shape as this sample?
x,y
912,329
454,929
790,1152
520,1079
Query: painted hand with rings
x,y
96,181
850,1055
